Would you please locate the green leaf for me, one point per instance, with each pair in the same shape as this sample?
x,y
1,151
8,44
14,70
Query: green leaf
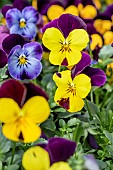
x,y
92,107
106,52
49,124
62,123
101,164
109,136
73,121
67,114
5,144
12,167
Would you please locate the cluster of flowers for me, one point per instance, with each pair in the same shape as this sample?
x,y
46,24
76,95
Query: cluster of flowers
x,y
24,105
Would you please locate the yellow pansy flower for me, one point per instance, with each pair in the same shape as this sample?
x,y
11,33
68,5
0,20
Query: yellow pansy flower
x,y
20,124
70,93
61,48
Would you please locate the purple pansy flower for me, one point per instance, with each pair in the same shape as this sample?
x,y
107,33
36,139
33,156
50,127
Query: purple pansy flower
x,y
24,63
98,77
90,163
59,149
23,23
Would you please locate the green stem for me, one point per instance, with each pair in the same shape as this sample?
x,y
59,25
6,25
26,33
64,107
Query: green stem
x,y
13,152
91,95
88,109
59,68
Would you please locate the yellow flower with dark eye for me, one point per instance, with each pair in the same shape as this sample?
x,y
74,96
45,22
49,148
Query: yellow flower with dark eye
x,y
20,124
65,48
70,93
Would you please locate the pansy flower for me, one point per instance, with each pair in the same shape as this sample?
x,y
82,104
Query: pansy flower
x,y
38,158
22,122
24,62
70,92
23,23
65,38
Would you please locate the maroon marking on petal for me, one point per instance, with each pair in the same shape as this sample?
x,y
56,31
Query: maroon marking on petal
x,y
59,75
64,102
21,136
64,62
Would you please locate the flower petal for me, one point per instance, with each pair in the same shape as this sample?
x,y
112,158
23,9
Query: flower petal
x,y
83,85
62,78
22,130
73,57
13,17
98,77
36,158
5,8
15,29
9,110
78,39
34,90
50,24
56,57
29,31
36,109
60,149
13,40
3,58
13,89
83,63
75,103
52,38
30,14
60,166
21,4
33,50
68,22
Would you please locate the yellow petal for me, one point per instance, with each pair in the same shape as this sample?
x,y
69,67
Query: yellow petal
x,y
36,109
54,11
57,57
62,78
52,38
83,85
88,12
73,57
72,10
60,166
75,103
96,41
36,158
22,130
9,110
78,39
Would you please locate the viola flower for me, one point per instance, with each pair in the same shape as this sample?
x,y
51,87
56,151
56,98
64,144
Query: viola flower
x,y
98,77
65,38
24,63
22,122
38,158
70,92
23,23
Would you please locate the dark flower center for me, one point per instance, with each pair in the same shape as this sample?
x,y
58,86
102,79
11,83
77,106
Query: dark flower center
x,y
65,46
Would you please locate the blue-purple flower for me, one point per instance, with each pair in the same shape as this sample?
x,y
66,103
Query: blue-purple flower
x,y
23,23
24,62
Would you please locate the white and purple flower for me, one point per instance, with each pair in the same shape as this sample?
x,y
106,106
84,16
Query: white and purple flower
x,y
23,23
24,63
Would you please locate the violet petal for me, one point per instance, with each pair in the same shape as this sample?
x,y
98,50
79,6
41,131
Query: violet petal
x,y
83,63
98,77
13,89
60,149
3,58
